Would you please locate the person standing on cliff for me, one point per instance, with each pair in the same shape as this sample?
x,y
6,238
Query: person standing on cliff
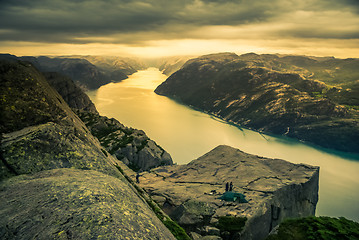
x,y
138,177
231,187
227,186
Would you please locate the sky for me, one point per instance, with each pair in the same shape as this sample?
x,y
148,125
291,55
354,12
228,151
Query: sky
x,y
157,28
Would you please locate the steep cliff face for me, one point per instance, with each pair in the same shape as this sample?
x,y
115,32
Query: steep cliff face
x,y
129,145
70,92
57,182
132,146
275,190
268,95
40,131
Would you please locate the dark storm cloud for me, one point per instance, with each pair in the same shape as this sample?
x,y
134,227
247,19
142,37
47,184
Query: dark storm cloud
x,y
323,33
62,20
76,21
354,3
80,16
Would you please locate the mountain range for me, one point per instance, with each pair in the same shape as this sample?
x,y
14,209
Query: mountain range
x,y
65,170
308,98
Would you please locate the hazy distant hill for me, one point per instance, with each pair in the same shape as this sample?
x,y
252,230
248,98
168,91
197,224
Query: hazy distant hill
x,y
170,65
88,72
286,95
115,65
167,65
84,73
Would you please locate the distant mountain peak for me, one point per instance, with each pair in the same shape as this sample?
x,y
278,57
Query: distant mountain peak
x,y
221,54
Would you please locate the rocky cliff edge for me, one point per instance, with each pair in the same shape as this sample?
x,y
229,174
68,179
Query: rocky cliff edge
x,y
275,190
56,181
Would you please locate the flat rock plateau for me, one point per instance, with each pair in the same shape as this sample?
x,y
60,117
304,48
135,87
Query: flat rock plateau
x,y
275,189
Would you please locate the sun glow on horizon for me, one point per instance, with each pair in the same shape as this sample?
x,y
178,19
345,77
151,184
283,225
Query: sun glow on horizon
x,y
193,47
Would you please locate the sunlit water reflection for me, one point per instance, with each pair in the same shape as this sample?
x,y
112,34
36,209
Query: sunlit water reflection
x,y
187,134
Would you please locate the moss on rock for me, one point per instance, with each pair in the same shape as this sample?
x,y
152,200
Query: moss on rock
x,y
317,228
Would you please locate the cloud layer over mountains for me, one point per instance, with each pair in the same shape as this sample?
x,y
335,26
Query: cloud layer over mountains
x,y
135,23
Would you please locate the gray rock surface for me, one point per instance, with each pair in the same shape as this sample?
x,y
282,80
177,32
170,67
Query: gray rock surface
x,y
211,231
74,204
68,185
70,92
275,190
132,146
193,213
211,238
51,145
40,131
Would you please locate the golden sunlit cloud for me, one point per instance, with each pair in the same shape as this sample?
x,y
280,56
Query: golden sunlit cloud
x,y
156,28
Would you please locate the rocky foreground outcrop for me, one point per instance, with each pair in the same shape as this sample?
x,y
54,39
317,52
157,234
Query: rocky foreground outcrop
x,y
56,180
75,204
275,190
39,130
276,95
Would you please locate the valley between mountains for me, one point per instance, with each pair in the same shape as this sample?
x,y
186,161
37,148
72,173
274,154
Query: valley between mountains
x,y
69,173
311,99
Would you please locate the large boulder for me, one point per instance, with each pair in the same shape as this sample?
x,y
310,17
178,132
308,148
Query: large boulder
x,y
193,212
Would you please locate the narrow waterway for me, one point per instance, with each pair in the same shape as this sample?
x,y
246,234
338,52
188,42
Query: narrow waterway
x,y
187,134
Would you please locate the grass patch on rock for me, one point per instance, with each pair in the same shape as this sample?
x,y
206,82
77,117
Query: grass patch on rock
x,y
231,224
317,228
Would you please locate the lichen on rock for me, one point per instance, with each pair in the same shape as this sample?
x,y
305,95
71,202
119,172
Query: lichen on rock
x,y
74,204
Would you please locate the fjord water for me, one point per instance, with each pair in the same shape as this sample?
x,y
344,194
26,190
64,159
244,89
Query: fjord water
x,y
187,134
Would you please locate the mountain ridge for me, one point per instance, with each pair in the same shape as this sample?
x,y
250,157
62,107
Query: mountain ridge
x,y
88,72
270,97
